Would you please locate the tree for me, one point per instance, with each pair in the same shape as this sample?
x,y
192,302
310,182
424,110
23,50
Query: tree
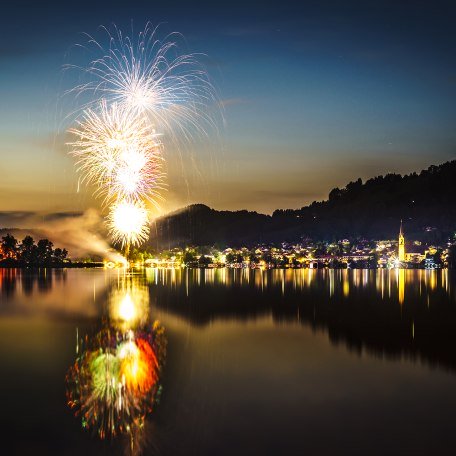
x,y
9,247
44,251
320,249
334,249
136,255
231,257
334,194
266,257
27,249
60,255
189,256
452,256
204,261
253,258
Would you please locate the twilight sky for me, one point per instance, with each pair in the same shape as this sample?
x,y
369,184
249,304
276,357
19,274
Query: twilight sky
x,y
315,94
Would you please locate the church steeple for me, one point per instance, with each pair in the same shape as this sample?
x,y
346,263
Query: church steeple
x,y
401,252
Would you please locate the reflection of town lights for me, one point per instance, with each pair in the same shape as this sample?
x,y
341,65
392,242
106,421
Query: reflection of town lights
x,y
127,308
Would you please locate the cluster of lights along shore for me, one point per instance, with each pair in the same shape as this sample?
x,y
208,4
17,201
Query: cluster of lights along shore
x,y
307,254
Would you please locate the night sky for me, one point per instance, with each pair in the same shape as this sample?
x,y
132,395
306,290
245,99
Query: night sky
x,y
314,95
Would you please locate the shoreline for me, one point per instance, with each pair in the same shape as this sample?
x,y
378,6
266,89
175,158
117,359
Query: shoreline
x,y
76,265
103,266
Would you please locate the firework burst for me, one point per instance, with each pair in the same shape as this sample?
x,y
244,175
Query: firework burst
x,y
119,152
128,223
153,77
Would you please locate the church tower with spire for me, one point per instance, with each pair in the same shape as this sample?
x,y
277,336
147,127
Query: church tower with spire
x,y
401,252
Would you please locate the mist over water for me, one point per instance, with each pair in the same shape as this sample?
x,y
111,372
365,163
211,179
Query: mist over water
x,y
259,362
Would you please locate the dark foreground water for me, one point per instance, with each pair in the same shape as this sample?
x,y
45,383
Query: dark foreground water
x,y
267,363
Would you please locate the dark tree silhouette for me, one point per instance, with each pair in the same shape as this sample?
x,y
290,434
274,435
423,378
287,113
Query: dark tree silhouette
x,y
60,255
44,251
9,247
28,253
28,250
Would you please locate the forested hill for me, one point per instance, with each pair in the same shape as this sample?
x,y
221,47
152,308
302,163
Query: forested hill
x,y
200,225
425,202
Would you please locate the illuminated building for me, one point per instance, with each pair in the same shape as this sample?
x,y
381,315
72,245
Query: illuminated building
x,y
401,255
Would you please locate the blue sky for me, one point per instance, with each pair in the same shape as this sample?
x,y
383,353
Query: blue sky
x,y
315,95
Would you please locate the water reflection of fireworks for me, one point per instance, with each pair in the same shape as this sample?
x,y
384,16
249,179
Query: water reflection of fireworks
x,y
115,381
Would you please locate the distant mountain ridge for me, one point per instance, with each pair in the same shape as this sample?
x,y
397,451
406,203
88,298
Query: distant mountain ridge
x,y
373,209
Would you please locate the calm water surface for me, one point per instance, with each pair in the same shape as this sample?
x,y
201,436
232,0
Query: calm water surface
x,y
259,362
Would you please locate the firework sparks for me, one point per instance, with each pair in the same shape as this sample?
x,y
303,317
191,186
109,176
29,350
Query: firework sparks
x,y
153,77
140,90
128,223
119,152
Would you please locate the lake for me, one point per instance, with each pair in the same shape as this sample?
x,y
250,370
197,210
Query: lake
x,y
258,362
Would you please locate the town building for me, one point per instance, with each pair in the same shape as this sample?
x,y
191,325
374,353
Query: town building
x,y
401,253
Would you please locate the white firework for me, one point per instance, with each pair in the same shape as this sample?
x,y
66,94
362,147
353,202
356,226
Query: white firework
x,y
152,76
128,223
119,152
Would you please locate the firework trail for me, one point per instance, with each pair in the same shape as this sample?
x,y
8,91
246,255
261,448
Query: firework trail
x,y
138,92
